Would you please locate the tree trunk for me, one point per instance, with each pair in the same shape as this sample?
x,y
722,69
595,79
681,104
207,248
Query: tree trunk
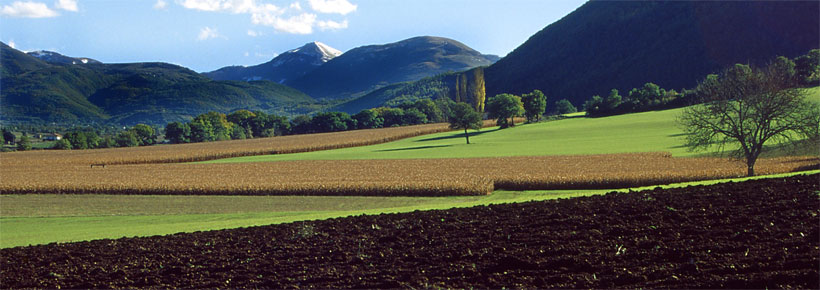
x,y
466,135
750,166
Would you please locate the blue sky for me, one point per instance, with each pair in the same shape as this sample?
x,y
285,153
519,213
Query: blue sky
x,y
205,35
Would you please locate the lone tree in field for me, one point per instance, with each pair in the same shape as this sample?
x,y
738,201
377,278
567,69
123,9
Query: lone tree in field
x,y
464,117
535,104
503,107
747,107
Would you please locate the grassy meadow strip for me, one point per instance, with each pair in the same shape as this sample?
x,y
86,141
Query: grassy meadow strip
x,y
223,149
392,177
47,218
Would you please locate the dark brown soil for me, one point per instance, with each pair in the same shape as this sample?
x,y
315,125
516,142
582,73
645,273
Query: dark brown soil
x,y
756,234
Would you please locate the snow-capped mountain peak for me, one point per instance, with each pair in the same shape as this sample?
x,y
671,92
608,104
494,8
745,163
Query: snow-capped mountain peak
x,y
287,66
318,49
327,51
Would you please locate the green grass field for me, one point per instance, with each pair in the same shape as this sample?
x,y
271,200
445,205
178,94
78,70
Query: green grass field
x,y
39,219
641,132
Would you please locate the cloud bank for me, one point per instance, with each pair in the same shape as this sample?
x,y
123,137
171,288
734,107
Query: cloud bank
x,y
288,19
27,9
33,9
67,5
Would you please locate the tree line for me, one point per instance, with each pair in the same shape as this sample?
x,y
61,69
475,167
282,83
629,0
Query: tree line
x,y
650,96
244,124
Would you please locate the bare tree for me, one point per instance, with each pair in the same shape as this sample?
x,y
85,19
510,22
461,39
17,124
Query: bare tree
x,y
748,107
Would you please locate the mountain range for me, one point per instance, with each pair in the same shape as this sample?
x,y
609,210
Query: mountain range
x,y
285,67
49,87
623,44
38,91
600,46
364,69
323,72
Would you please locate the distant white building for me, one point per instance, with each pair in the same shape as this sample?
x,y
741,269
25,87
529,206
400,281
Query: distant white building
x,y
52,137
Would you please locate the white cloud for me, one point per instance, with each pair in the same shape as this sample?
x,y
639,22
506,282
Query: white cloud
x,y
27,9
12,44
204,5
233,6
300,24
331,25
161,4
207,33
68,5
288,19
332,6
266,14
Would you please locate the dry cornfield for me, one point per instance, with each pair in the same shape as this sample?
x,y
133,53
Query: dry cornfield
x,y
223,149
411,177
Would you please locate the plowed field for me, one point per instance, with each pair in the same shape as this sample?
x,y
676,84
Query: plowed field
x,y
755,234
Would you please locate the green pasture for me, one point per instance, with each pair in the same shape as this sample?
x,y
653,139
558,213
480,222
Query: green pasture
x,y
653,131
641,132
42,219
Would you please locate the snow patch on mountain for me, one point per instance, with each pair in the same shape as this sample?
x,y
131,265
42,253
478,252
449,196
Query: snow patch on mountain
x,y
55,57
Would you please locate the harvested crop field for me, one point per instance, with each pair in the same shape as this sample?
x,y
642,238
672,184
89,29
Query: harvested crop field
x,y
409,177
223,149
754,234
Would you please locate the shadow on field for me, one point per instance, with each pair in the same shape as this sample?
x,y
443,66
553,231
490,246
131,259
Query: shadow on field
x,y
458,135
414,148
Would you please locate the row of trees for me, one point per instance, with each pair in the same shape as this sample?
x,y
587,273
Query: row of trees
x,y
804,71
648,97
505,108
242,124
533,105
88,138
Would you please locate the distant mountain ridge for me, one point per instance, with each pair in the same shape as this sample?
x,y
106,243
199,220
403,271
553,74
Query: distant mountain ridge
x,y
53,57
623,44
285,67
366,68
324,72
37,91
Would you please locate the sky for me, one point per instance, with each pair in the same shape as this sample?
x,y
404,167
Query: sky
x,y
205,35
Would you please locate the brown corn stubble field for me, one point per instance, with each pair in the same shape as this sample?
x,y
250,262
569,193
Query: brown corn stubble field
x,y
411,177
754,234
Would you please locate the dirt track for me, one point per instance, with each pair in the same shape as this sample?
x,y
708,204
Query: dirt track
x,y
754,234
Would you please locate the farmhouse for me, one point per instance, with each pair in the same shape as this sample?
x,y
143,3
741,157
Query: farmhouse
x,y
52,137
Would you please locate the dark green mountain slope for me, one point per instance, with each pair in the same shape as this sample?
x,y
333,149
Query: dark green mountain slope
x,y
624,44
367,68
154,93
466,86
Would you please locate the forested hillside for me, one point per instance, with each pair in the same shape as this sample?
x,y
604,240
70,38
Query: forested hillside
x,y
467,86
674,44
